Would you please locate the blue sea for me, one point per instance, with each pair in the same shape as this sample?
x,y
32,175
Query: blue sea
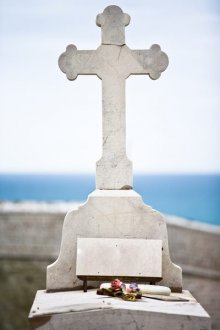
x,y
195,197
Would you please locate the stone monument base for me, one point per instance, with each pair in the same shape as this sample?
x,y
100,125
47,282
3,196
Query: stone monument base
x,y
110,214
79,310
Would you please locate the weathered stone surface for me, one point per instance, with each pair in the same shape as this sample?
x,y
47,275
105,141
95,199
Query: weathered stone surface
x,y
113,21
19,223
110,214
116,214
113,62
119,257
88,311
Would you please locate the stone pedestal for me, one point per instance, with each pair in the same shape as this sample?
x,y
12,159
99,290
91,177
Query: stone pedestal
x,y
110,214
79,310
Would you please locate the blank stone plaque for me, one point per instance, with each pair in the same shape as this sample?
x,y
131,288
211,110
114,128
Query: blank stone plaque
x,y
119,257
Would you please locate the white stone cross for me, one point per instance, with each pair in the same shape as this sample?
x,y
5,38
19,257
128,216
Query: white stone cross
x,y
113,62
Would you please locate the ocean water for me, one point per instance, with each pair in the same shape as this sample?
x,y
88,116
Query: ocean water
x,y
195,197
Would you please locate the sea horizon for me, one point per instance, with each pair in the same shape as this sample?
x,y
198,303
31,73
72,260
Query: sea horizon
x,y
194,196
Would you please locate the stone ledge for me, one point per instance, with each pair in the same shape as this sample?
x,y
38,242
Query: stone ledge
x,y
58,310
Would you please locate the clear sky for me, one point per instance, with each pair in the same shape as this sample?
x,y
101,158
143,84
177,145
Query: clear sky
x,y
49,124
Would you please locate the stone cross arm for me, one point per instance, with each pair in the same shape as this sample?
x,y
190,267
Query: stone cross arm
x,y
74,62
113,59
150,61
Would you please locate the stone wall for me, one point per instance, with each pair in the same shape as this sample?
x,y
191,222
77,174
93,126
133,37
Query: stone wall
x,y
195,247
30,240
37,236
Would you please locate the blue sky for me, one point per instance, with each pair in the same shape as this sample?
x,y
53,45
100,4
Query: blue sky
x,y
49,124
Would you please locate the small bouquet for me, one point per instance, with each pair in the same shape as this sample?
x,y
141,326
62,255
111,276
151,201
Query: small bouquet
x,y
129,292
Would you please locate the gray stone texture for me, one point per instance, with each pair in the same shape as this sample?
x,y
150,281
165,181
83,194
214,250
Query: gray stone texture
x,y
62,310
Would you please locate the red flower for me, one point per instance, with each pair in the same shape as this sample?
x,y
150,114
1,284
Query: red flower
x,y
116,284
